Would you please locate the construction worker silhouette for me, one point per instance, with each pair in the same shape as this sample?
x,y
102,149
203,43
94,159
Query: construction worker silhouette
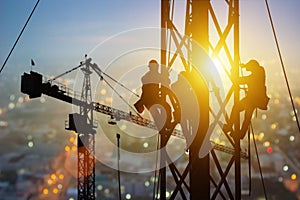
x,y
153,97
256,97
188,103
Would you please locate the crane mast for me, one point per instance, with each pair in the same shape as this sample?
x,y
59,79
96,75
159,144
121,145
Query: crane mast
x,y
86,141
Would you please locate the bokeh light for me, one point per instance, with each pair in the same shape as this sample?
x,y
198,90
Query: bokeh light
x,y
74,148
103,92
285,168
45,191
12,97
55,191
293,176
11,106
269,150
266,143
67,148
53,176
145,145
99,187
30,144
61,176
147,183
72,139
50,182
128,196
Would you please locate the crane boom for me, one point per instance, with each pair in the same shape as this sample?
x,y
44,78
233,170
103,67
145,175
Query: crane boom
x,y
33,85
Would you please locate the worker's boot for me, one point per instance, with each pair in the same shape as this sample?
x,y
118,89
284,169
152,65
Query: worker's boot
x,y
227,128
139,106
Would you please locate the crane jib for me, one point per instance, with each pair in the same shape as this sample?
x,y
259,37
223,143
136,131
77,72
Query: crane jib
x,y
32,84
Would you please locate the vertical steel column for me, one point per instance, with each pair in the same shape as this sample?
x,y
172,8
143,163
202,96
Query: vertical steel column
x,y
86,169
197,32
81,192
235,75
165,16
165,6
199,171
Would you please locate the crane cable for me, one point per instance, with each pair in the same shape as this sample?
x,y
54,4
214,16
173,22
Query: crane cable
x,y
155,181
121,97
110,77
282,65
102,78
67,72
258,161
117,82
13,47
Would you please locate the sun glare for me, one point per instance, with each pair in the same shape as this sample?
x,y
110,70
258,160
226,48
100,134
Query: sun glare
x,y
220,74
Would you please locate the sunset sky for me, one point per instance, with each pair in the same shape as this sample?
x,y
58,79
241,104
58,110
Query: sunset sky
x,y
121,36
61,32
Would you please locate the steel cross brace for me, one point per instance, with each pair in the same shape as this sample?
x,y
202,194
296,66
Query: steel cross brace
x,y
221,174
223,178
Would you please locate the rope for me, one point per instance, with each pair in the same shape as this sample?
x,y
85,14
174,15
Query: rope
x,y
119,177
260,171
121,97
155,189
249,163
19,36
282,65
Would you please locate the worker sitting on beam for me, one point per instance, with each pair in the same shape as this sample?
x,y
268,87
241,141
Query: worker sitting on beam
x,y
256,97
155,86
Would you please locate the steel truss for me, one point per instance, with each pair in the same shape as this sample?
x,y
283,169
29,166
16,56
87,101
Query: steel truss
x,y
200,19
86,141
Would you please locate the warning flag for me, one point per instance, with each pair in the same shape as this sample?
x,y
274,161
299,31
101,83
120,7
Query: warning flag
x,y
32,62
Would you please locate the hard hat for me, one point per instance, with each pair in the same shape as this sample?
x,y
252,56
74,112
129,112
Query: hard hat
x,y
153,63
250,64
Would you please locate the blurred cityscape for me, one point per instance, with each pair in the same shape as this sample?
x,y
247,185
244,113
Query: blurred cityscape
x,y
38,156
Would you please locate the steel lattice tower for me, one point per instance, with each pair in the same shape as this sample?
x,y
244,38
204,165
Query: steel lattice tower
x,y
86,141
200,18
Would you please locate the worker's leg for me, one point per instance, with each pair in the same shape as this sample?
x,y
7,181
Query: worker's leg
x,y
168,117
184,126
236,109
161,115
184,123
247,121
158,119
139,106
